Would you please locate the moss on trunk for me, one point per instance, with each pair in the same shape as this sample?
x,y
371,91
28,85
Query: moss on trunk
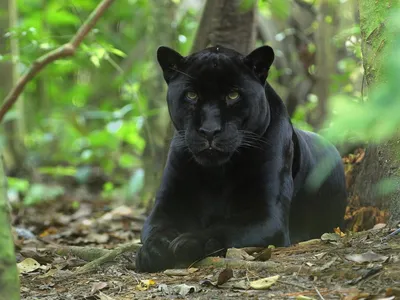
x,y
9,280
381,161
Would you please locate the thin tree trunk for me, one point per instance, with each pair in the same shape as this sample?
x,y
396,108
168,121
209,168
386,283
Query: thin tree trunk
x,y
14,150
14,47
381,161
9,279
325,56
155,128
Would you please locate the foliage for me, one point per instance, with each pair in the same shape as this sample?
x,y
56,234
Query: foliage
x,y
373,117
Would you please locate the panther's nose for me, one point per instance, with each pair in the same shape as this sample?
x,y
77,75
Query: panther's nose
x,y
209,133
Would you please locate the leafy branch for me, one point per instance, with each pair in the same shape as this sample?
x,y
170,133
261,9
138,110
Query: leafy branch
x,y
63,51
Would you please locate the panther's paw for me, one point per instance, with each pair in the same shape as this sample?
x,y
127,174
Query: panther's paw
x,y
188,248
155,255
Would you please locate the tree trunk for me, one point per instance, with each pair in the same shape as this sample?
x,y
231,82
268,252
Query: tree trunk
x,y
225,23
9,280
325,57
381,161
14,150
155,127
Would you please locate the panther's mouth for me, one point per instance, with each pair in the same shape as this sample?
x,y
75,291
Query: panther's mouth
x,y
212,156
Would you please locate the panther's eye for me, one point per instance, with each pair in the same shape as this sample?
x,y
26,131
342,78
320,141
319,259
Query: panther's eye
x,y
192,96
232,96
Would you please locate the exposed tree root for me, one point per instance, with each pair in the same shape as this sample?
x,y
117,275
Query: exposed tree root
x,y
91,266
85,253
98,257
220,262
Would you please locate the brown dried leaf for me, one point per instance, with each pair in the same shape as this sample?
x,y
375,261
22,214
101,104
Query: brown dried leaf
x,y
224,276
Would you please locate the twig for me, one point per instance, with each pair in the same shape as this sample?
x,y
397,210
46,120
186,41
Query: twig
x,y
319,294
65,50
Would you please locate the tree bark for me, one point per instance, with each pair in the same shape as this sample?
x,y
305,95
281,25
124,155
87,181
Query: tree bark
x,y
9,280
381,161
225,23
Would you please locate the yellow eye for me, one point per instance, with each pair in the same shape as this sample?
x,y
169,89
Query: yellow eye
x,y
232,96
192,96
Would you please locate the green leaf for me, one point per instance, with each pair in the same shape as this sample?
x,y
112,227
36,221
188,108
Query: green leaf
x,y
117,52
38,193
18,184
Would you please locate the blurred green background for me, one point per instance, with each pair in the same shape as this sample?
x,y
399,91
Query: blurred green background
x,y
99,120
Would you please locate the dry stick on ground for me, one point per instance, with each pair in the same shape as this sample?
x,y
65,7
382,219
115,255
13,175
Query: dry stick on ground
x,y
65,50
91,266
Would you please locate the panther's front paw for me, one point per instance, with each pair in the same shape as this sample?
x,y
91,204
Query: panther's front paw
x,y
155,255
190,247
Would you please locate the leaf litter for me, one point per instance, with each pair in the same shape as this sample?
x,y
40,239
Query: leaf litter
x,y
339,265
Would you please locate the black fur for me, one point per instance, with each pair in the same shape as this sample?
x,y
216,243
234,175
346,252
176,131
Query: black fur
x,y
238,174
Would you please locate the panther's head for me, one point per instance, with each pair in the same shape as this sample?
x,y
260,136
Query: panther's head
x,y
216,99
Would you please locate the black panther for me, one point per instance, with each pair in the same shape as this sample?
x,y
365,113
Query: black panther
x,y
238,173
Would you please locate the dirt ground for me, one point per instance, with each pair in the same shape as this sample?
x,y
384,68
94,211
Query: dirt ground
x,y
362,265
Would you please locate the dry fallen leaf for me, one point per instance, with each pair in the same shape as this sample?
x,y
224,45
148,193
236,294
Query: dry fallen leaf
x,y
224,276
264,283
320,255
98,286
51,272
235,253
339,232
368,256
393,292
330,237
28,265
325,266
184,289
264,255
40,258
378,226
145,284
242,284
103,296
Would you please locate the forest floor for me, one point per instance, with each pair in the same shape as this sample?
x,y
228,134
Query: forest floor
x,y
51,239
363,265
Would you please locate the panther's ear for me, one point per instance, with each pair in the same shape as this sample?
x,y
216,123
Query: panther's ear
x,y
260,60
169,60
